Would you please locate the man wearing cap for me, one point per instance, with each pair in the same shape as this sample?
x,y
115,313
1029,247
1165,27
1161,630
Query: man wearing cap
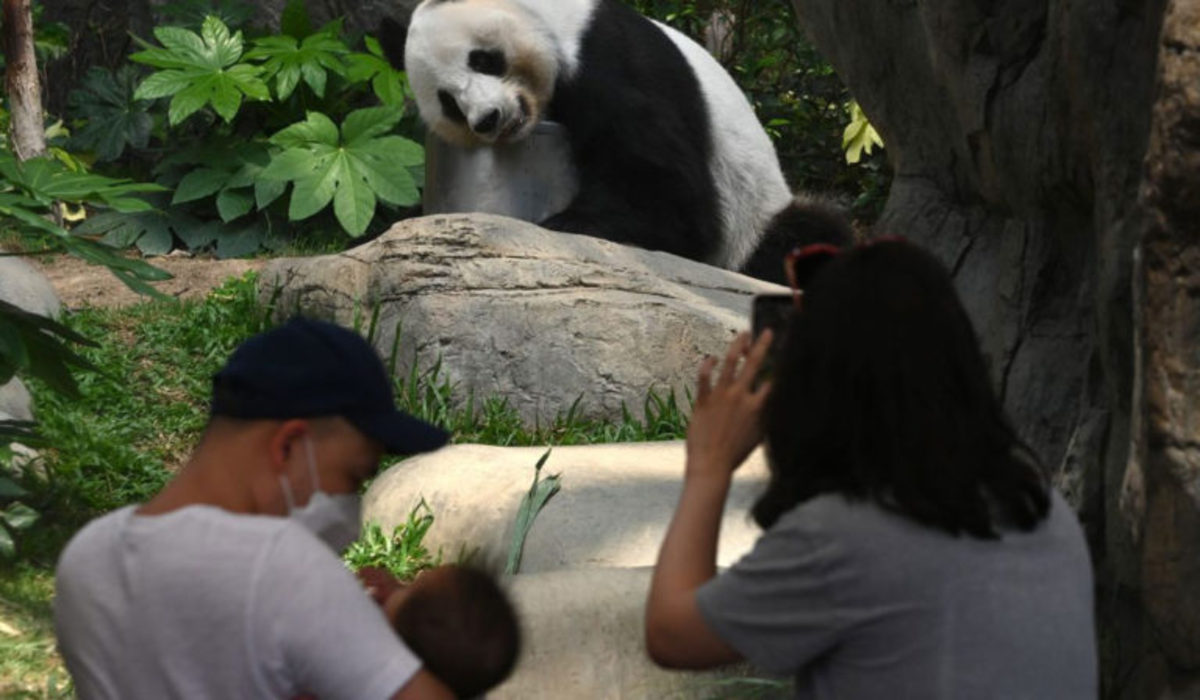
x,y
226,583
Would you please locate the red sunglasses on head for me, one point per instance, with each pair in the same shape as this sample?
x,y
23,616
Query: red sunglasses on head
x,y
802,262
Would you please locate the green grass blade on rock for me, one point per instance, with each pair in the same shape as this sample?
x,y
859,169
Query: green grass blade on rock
x,y
532,503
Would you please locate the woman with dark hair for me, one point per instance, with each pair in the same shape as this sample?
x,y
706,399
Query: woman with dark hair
x,y
912,544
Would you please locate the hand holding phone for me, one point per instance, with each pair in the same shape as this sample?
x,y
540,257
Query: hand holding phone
x,y
771,311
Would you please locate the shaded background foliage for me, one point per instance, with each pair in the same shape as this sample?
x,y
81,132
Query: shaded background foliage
x,y
797,94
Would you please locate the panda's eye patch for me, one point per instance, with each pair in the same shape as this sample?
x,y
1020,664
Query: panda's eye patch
x,y
489,62
450,108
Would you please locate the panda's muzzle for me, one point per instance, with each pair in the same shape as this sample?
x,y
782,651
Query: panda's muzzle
x,y
487,124
514,127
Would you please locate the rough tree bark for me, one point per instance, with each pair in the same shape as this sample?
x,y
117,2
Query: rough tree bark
x,y
21,81
1162,484
1017,130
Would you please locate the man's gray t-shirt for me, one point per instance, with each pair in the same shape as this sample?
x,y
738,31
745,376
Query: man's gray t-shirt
x,y
203,603
857,602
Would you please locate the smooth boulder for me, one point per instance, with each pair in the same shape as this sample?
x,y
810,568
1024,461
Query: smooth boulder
x,y
583,639
612,509
25,287
540,318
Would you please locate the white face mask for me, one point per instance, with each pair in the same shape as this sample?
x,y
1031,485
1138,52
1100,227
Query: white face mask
x,y
335,519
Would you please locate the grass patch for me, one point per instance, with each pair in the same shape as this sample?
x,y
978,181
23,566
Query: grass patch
x,y
29,666
138,420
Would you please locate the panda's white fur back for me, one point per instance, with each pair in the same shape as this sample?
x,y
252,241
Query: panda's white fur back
x,y
744,164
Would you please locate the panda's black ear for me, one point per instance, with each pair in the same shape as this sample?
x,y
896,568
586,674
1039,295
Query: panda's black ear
x,y
392,36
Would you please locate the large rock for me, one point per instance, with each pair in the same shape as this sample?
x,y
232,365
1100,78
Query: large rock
x,y
22,285
15,401
612,510
583,639
585,571
540,318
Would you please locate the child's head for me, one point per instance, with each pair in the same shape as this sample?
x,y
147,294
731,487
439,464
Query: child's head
x,y
462,626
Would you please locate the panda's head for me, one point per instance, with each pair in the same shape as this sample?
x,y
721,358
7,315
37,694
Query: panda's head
x,y
481,70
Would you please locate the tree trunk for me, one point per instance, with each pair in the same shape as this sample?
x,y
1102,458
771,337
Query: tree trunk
x,y
21,81
1017,131
1161,496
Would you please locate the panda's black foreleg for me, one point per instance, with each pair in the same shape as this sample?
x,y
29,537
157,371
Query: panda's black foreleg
x,y
655,218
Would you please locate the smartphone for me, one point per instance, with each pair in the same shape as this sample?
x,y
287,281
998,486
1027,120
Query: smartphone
x,y
770,311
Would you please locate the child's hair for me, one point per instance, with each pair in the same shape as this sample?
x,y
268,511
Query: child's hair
x,y
462,626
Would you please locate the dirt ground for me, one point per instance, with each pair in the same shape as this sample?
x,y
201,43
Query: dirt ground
x,y
80,284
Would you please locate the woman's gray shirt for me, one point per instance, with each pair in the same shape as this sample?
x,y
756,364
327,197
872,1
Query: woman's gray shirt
x,y
858,602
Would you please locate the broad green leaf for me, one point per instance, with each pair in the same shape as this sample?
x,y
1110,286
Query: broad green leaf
x,y
112,117
363,124
9,489
316,128
247,78
19,516
388,83
225,48
200,69
200,183
226,98
163,84
197,234
120,230
354,199
234,203
313,192
314,76
288,60
189,100
45,342
13,352
185,45
291,164
286,81
353,172
241,243
8,548
267,191
156,242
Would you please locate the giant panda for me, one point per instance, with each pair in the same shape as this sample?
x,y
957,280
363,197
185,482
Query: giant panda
x,y
669,152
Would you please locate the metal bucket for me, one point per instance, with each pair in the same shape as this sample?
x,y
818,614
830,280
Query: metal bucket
x,y
531,179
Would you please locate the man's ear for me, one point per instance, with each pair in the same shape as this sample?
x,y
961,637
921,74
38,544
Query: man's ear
x,y
285,440
393,35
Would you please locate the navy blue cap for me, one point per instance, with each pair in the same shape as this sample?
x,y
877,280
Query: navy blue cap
x,y
310,369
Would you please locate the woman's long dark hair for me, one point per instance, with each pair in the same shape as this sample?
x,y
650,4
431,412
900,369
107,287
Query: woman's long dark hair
x,y
881,393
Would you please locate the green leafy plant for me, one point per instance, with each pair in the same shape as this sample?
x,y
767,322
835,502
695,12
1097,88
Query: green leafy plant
x,y
353,167
287,59
388,84
227,95
39,347
30,193
403,553
111,117
200,69
532,503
